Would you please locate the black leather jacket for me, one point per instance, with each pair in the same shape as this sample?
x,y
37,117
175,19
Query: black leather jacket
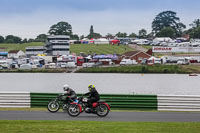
x,y
93,94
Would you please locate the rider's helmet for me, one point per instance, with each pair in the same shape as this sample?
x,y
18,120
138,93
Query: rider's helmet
x,y
66,87
90,87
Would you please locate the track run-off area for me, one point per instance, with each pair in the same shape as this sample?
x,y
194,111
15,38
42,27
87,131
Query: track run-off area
x,y
112,116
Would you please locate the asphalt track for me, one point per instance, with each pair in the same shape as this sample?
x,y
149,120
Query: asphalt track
x,y
112,116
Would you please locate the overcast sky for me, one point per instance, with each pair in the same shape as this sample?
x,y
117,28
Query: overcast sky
x,y
29,18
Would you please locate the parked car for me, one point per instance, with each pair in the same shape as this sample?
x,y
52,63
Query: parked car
x,y
26,66
183,61
63,65
14,65
71,64
88,64
50,65
97,64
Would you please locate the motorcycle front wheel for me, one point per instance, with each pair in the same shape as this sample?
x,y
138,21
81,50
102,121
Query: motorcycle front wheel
x,y
73,110
102,110
53,106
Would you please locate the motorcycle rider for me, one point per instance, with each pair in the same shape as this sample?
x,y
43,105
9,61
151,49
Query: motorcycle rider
x,y
70,93
93,96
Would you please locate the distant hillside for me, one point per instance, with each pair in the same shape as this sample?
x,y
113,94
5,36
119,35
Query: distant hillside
x,y
8,47
74,48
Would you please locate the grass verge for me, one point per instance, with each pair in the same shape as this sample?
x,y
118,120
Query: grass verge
x,y
143,69
24,126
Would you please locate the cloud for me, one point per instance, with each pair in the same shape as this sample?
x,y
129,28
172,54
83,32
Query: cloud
x,y
108,20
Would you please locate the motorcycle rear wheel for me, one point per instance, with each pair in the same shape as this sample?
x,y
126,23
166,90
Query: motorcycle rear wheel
x,y
102,110
53,106
73,110
65,107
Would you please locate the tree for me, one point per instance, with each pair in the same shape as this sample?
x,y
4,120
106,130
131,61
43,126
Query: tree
x,y
150,35
9,41
41,38
166,32
119,34
110,36
74,37
81,37
142,33
91,29
196,23
93,34
24,41
195,33
133,35
167,19
30,40
12,39
61,28
1,39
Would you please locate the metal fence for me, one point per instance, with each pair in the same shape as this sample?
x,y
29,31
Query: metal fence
x,y
178,102
137,102
125,102
15,99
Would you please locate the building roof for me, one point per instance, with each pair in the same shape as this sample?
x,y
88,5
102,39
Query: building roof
x,y
133,53
35,47
13,51
3,53
58,36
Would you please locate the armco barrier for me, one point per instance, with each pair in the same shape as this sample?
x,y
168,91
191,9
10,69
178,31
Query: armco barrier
x,y
138,102
15,99
178,102
134,102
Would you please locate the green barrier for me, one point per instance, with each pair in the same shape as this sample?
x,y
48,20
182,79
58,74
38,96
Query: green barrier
x,y
116,101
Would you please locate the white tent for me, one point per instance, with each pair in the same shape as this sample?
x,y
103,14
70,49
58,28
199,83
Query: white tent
x,y
162,39
101,41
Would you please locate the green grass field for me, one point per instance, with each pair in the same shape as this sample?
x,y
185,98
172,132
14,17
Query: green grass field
x,y
22,47
29,126
99,49
75,48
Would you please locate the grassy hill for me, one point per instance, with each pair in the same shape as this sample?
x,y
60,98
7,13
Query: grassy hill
x,y
75,48
22,47
99,49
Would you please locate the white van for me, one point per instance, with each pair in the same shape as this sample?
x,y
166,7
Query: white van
x,y
128,62
183,61
71,64
4,64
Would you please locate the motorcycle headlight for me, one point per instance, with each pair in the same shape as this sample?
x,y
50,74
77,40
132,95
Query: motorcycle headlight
x,y
84,99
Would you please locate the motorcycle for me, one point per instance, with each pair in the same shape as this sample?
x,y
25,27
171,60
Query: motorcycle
x,y
55,104
101,108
